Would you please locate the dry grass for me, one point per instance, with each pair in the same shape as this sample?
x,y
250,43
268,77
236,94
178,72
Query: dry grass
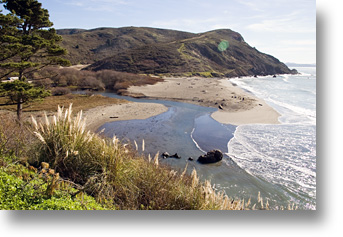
x,y
49,104
15,139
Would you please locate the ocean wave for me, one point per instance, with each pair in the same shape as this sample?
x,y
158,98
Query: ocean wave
x,y
285,78
292,112
281,154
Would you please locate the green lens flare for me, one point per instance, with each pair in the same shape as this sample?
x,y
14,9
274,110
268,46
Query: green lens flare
x,y
223,45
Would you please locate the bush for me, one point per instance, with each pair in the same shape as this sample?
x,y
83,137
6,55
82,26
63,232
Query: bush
x,y
21,189
60,91
82,79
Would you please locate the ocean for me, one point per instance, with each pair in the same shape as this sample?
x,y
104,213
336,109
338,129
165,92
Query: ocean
x,y
284,154
277,161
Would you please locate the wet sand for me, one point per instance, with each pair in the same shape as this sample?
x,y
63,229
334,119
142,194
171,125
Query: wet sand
x,y
98,116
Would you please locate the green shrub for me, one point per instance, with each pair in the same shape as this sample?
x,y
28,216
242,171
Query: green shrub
x,y
22,193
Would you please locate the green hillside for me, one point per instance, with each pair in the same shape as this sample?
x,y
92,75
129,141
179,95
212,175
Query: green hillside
x,y
89,46
168,52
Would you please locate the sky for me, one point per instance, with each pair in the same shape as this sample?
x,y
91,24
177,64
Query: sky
x,y
285,29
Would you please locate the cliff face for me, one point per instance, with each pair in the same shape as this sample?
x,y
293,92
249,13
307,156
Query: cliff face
x,y
165,52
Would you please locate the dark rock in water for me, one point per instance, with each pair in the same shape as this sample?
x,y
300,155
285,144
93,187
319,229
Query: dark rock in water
x,y
166,155
294,71
175,156
211,157
274,76
190,158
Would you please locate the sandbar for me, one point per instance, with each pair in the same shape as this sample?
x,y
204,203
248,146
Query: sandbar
x,y
235,105
100,115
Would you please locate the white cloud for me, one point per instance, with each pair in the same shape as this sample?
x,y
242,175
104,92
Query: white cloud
x,y
299,42
193,25
283,25
272,5
252,5
99,5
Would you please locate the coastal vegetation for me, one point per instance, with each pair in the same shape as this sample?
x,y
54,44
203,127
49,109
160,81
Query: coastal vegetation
x,y
49,104
71,79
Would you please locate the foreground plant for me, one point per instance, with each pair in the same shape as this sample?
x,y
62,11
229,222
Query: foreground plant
x,y
24,189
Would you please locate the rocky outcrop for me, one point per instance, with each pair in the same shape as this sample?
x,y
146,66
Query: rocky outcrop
x,y
211,157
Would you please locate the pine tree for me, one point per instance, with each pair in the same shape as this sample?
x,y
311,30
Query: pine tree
x,y
27,44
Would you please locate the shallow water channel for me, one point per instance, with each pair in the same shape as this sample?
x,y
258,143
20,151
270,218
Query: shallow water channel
x,y
190,131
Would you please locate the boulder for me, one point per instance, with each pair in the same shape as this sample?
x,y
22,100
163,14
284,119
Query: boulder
x,y
211,157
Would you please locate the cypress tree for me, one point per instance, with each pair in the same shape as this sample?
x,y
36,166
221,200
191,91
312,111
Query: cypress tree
x,y
28,43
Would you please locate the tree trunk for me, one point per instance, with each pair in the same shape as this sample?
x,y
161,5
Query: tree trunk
x,y
19,109
20,75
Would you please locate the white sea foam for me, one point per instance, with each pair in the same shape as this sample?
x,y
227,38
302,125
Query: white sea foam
x,y
282,154
285,78
294,114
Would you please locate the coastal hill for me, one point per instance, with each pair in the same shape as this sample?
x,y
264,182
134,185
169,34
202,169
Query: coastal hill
x,y
168,52
89,46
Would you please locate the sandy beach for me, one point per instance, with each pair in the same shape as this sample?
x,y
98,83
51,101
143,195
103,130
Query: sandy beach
x,y
98,116
235,106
